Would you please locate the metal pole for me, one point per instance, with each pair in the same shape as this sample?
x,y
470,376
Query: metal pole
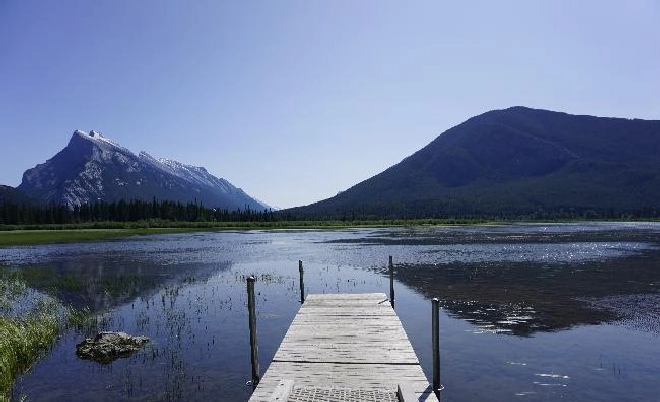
x,y
435,337
302,282
391,266
253,331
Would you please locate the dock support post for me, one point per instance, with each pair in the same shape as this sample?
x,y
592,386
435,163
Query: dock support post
x,y
253,331
391,267
435,337
302,282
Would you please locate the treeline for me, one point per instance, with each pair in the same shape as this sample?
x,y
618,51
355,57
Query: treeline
x,y
157,213
447,209
125,211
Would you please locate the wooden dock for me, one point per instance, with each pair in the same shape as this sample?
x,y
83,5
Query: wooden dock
x,y
345,347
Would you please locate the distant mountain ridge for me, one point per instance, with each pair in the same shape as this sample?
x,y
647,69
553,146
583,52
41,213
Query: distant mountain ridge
x,y
516,161
93,168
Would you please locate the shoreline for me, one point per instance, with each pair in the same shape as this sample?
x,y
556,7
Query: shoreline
x,y
15,236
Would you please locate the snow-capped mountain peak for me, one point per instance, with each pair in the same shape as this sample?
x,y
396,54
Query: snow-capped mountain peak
x,y
93,168
98,138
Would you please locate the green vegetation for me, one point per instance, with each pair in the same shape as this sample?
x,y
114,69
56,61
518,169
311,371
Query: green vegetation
x,y
22,341
81,319
27,235
16,235
30,322
26,336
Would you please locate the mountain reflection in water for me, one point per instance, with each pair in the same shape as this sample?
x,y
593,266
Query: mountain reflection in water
x,y
522,298
539,280
103,284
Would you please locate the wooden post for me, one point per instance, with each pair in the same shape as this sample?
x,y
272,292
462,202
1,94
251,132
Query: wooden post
x,y
435,337
253,331
391,266
302,282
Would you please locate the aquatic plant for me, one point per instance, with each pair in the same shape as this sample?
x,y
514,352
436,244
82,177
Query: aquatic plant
x,y
82,320
30,322
23,341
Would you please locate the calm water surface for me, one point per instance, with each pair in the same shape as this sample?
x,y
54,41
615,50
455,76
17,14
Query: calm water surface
x,y
530,312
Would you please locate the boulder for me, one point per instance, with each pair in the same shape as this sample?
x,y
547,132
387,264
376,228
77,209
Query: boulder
x,y
108,346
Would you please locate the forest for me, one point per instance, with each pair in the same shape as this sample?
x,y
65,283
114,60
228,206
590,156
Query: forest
x,y
125,211
164,213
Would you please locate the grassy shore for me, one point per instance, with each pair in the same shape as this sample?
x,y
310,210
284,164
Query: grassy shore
x,y
48,234
26,336
21,343
41,236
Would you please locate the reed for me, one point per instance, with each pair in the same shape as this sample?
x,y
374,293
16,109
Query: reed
x,y
22,342
25,337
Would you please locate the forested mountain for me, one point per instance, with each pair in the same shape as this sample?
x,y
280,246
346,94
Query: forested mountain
x,y
513,162
9,194
93,169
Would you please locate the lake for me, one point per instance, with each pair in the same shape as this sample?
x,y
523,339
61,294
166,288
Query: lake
x,y
529,311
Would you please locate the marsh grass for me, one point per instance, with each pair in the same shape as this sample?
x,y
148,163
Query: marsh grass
x,y
28,237
80,319
23,341
30,322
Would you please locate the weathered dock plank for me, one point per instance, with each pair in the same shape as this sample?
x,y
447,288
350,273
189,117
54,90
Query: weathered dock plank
x,y
344,342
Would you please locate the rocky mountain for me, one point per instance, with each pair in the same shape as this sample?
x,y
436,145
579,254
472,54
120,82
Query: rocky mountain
x,y
93,168
517,161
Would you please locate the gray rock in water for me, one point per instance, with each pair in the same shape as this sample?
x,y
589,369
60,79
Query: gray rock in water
x,y
108,346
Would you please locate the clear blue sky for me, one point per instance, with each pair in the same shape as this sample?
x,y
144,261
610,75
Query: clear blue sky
x,y
296,100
